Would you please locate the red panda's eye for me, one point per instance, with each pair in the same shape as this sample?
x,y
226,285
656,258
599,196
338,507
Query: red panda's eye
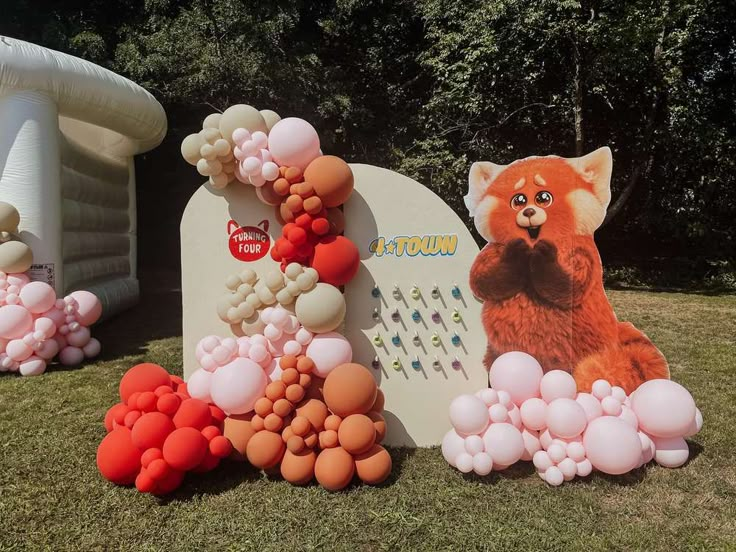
x,y
518,201
543,199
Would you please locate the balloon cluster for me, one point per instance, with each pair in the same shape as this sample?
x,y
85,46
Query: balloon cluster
x,y
306,427
212,150
256,164
249,293
158,433
529,415
35,326
15,256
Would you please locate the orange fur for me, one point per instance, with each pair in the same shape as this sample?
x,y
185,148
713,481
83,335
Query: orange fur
x,y
543,287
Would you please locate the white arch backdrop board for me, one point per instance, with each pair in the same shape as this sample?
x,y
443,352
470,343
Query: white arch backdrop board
x,y
406,236
69,131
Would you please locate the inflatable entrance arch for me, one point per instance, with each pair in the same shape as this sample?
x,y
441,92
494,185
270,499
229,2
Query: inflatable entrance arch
x,y
70,130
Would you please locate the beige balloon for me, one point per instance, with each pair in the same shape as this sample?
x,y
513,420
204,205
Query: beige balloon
x,y
241,116
321,309
271,118
212,120
190,148
15,256
9,217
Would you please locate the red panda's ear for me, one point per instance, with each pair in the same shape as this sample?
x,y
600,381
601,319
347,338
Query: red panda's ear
x,y
596,168
482,174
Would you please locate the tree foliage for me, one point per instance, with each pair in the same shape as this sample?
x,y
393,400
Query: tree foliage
x,y
429,86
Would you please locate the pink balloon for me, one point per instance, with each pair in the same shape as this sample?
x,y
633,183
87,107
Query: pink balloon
x,y
237,386
558,385
566,418
18,350
696,424
584,468
328,351
576,451
519,374
199,384
293,142
628,416
504,443
15,321
542,461
45,326
473,444
92,348
57,316
553,476
531,444
590,404
49,349
664,408
601,388
534,413
38,297
89,309
482,463
612,445
273,371
671,452
452,446
80,338
568,467
468,414
34,366
71,356
464,462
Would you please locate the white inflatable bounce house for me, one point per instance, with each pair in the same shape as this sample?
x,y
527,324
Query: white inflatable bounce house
x,y
70,130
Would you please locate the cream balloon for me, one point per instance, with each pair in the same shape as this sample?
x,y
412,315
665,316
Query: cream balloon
x,y
9,217
190,147
321,309
15,256
271,118
241,116
212,121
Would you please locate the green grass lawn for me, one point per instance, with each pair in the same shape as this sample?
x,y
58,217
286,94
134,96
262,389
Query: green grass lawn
x,y
52,497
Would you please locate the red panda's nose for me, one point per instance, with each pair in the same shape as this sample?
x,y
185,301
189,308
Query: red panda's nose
x,y
529,212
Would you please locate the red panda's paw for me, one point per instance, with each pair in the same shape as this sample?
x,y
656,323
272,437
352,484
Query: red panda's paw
x,y
516,252
545,250
613,365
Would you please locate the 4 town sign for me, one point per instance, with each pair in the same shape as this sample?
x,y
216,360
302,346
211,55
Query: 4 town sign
x,y
427,245
248,243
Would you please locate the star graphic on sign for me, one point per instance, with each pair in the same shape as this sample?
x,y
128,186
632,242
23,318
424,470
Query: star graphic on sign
x,y
390,246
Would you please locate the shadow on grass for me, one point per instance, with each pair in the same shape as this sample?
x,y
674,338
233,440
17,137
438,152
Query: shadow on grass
x,y
228,475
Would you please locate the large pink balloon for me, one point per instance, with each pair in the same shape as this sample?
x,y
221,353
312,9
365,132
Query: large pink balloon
x,y
519,374
37,297
664,408
15,321
672,452
504,443
237,386
468,414
293,142
89,309
328,351
612,445
566,418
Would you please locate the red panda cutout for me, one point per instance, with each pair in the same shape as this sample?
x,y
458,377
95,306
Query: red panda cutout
x,y
540,275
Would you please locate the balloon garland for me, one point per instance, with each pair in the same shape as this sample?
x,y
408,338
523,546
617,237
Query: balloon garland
x,y
35,325
283,385
528,415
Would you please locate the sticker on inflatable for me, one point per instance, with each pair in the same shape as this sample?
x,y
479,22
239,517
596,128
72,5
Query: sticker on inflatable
x,y
42,273
248,243
442,245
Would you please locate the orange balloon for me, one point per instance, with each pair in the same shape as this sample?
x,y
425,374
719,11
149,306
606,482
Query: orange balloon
x,y
282,407
295,392
238,430
295,444
311,439
350,389
265,449
334,468
333,422
298,468
290,376
373,467
379,422
331,178
273,422
357,433
305,365
328,439
288,361
276,390
315,411
300,426
379,403
263,407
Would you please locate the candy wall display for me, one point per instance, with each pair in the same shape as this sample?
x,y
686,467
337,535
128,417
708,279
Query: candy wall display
x,y
526,414
158,433
70,132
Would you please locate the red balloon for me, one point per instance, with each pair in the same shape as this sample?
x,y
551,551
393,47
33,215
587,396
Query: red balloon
x,y
150,455
220,447
158,469
185,448
144,482
147,401
218,414
151,430
118,459
131,418
116,415
193,413
336,259
168,404
169,483
143,377
209,463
